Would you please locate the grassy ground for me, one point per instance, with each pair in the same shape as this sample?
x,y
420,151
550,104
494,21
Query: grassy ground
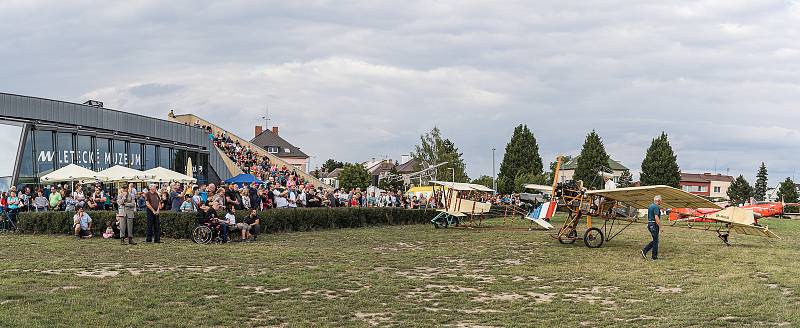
x,y
403,276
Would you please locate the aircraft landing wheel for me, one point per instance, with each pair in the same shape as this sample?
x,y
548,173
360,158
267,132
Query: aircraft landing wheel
x,y
570,237
593,238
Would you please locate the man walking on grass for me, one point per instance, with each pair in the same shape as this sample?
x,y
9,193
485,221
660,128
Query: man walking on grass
x,y
654,225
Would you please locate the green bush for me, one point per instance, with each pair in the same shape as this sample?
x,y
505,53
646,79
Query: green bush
x,y
179,225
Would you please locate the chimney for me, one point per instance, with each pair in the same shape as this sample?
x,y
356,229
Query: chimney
x,y
275,130
259,129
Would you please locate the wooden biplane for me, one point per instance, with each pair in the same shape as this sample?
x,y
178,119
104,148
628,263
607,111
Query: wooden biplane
x,y
462,201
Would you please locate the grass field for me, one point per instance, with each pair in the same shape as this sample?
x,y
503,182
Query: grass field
x,y
403,276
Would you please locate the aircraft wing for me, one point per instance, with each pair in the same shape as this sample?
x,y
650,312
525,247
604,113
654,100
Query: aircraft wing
x,y
463,186
541,188
741,221
642,197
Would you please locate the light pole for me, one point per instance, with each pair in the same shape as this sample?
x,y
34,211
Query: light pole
x,y
494,176
453,171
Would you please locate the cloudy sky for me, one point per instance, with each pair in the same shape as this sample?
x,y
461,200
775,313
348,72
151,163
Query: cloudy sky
x,y
357,80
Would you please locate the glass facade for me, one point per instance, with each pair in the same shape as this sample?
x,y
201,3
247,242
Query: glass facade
x,y
44,151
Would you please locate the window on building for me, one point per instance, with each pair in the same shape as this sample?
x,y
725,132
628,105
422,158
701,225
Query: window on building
x,y
702,189
135,155
273,150
26,168
150,157
120,153
45,154
65,149
165,157
287,150
102,154
84,154
717,189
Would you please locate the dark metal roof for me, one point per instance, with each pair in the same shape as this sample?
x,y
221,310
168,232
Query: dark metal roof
x,y
42,111
407,167
269,139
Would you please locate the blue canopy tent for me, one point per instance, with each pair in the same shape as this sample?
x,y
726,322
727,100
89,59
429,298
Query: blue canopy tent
x,y
244,179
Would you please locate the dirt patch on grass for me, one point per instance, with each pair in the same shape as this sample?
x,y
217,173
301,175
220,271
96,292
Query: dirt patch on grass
x,y
374,319
63,288
263,290
453,288
668,290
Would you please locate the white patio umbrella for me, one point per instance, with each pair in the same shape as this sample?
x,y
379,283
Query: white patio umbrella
x,y
161,175
72,173
119,173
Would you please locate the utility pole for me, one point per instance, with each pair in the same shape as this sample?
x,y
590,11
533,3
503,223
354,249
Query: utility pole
x,y
494,176
453,170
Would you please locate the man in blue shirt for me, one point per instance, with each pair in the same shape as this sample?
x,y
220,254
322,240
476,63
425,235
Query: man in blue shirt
x,y
654,225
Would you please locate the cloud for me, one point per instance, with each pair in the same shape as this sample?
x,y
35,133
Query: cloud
x,y
354,81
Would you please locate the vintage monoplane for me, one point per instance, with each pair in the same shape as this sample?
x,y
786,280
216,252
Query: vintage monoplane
x,y
620,207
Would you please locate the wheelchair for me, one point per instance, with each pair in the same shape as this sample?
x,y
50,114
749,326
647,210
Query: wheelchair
x,y
207,233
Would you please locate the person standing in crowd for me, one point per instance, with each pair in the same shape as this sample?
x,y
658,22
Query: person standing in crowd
x,y
125,214
188,205
292,199
245,195
203,194
82,224
232,197
176,200
13,207
280,198
40,203
654,226
153,203
55,199
25,199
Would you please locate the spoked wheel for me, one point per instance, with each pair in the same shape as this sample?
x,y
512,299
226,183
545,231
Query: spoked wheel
x,y
593,238
569,237
201,234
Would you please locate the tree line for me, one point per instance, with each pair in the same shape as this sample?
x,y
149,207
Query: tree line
x,y
522,164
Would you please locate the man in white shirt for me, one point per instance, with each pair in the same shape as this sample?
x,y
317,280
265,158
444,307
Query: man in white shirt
x,y
230,221
303,198
292,198
609,182
280,198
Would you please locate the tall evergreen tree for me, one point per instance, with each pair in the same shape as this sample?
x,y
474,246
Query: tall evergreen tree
x,y
625,179
433,149
521,157
592,160
740,191
760,192
660,165
787,193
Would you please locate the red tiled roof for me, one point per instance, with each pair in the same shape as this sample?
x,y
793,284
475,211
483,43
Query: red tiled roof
x,y
705,177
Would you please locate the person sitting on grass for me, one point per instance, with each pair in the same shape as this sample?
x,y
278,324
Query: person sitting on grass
x,y
82,224
250,226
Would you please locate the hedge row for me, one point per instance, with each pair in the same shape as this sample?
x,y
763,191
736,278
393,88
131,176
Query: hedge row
x,y
179,225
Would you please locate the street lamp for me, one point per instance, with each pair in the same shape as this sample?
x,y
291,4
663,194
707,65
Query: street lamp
x,y
494,176
453,171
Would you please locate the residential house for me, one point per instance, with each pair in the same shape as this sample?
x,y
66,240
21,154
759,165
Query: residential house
x,y
273,143
568,169
714,186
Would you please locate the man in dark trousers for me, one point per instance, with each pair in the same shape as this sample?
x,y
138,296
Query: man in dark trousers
x,y
654,225
153,203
